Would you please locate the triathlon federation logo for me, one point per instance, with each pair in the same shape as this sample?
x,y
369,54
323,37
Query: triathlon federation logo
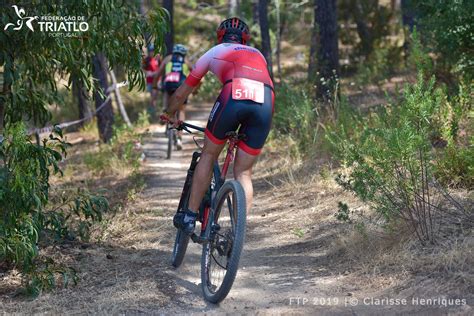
x,y
53,25
20,12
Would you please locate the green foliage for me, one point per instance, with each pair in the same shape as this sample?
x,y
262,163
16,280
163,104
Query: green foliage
x,y
48,275
143,119
298,232
32,60
368,15
25,220
296,117
448,29
455,166
122,154
343,212
453,130
418,57
209,89
388,159
382,63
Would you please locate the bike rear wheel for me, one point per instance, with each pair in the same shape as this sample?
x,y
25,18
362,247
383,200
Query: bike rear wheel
x,y
221,255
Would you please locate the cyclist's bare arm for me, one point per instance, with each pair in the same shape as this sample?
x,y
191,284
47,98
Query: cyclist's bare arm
x,y
178,98
200,69
161,70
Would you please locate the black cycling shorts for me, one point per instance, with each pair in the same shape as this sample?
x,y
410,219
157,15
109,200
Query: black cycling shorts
x,y
254,119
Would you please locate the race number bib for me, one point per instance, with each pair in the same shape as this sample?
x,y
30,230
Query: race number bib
x,y
247,89
172,77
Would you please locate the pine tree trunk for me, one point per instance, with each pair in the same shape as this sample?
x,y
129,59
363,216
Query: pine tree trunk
x,y
408,14
280,27
105,117
328,54
234,8
169,37
266,45
255,19
5,90
80,93
363,31
313,51
409,20
142,10
2,114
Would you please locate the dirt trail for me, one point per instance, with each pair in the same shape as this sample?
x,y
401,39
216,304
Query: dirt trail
x,y
272,267
282,270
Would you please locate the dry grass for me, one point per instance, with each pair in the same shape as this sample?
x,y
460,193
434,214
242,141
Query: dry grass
x,y
372,258
392,260
119,182
293,217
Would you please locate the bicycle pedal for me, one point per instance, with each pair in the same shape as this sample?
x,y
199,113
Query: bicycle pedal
x,y
198,239
216,227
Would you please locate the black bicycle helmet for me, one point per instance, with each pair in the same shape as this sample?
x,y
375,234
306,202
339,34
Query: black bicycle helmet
x,y
234,29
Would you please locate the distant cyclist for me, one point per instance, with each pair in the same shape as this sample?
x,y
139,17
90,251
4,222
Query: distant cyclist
x,y
151,64
246,100
174,70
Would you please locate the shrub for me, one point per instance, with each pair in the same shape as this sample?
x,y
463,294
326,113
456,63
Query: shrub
x,y
455,166
208,90
295,118
122,154
144,118
380,64
447,28
25,219
454,161
389,161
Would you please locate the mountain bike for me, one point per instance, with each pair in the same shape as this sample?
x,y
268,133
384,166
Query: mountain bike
x,y
222,215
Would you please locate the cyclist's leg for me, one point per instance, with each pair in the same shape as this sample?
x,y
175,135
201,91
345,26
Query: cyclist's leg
x,y
255,122
222,119
149,88
243,173
203,173
154,97
166,98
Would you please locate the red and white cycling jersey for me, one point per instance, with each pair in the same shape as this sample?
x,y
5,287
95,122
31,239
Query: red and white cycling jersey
x,y
228,61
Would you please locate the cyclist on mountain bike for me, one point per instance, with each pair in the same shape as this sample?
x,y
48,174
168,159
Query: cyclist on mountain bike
x,y
246,100
174,69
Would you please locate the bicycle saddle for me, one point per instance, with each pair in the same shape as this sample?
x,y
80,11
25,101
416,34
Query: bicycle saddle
x,y
234,134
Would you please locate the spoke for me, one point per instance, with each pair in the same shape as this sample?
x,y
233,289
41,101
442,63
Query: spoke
x,y
231,212
222,243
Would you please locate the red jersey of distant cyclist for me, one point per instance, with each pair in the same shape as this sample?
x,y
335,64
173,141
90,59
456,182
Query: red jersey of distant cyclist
x,y
228,61
152,66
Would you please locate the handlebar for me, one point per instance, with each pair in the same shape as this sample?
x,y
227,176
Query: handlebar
x,y
180,125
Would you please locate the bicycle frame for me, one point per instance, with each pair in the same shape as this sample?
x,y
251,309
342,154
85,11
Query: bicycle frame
x,y
216,183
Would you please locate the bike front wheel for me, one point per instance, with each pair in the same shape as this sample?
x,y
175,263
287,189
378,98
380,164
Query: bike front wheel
x,y
226,231
182,239
179,250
